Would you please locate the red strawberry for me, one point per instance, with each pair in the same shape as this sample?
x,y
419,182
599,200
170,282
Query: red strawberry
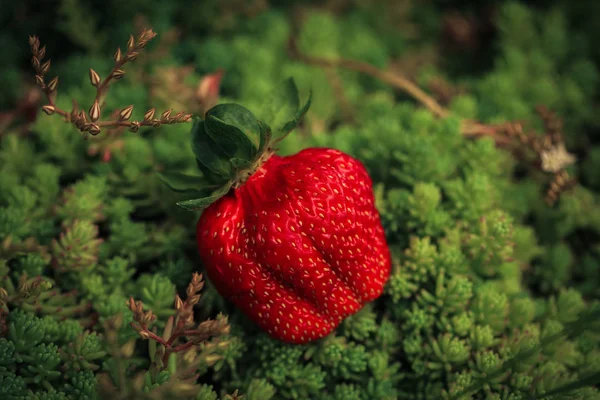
x,y
299,246
295,242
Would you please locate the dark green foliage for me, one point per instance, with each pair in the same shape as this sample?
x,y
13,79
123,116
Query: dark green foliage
x,y
493,294
36,359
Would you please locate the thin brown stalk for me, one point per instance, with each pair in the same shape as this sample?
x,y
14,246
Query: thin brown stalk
x,y
177,327
395,79
90,122
38,54
133,49
549,151
392,78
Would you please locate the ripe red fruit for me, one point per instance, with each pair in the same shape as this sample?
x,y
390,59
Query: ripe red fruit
x,y
295,242
299,246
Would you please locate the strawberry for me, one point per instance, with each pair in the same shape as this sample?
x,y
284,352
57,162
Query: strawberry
x,y
295,242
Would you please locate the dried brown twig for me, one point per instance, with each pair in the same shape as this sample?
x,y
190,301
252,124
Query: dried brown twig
x,y
125,381
179,326
549,151
393,79
90,122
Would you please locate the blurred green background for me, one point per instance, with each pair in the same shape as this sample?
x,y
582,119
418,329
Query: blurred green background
x,y
495,291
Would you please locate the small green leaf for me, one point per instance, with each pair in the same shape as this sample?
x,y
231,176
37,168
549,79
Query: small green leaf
x,y
281,106
235,129
208,153
202,203
290,125
179,182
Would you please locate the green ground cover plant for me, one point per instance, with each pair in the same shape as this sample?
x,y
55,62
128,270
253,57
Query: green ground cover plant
x,y
476,121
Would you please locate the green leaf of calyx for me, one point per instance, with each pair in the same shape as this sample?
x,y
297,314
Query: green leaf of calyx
x,y
209,154
280,106
179,182
234,129
290,125
203,202
281,111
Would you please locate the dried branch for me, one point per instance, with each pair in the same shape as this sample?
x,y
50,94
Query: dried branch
x,y
90,122
125,381
550,154
393,79
180,326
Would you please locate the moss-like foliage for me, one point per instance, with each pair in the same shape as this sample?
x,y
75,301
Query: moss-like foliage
x,y
494,294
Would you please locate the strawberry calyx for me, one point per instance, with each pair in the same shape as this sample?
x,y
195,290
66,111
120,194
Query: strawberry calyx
x,y
231,143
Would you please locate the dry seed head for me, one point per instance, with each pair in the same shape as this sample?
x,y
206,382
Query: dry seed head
x,y
144,335
135,126
40,81
118,55
178,302
194,286
197,279
556,158
48,109
125,113
118,74
148,34
130,42
35,62
145,37
132,56
193,300
188,319
94,129
34,42
42,52
95,111
166,114
45,67
94,78
53,84
79,119
149,114
131,304
190,290
148,318
139,308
